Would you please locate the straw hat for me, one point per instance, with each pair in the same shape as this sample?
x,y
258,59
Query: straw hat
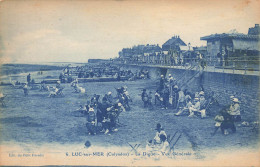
x,y
196,99
236,100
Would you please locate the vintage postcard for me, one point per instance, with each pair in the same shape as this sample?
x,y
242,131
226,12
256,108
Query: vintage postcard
x,y
129,82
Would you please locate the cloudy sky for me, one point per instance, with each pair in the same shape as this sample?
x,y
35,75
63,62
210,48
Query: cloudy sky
x,y
74,31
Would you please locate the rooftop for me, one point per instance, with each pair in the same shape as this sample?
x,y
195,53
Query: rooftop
x,y
236,35
175,41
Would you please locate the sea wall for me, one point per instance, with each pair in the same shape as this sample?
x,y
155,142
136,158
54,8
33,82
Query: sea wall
x,y
244,87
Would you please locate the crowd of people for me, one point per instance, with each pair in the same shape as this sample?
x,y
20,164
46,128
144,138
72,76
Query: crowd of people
x,y
101,70
102,115
169,96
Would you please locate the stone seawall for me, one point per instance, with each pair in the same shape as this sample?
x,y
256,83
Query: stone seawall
x,y
244,87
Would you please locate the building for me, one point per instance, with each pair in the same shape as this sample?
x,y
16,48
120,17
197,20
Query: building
x,y
254,30
171,51
139,54
227,49
174,43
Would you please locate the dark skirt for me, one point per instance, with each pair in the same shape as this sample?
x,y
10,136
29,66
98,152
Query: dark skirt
x,y
236,118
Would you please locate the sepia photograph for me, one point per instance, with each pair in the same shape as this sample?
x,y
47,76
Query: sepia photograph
x,y
129,82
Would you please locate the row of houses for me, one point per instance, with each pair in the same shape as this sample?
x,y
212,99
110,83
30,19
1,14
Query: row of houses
x,y
173,52
222,50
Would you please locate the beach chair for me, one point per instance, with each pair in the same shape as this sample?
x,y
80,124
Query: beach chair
x,y
210,102
134,146
172,140
60,92
2,101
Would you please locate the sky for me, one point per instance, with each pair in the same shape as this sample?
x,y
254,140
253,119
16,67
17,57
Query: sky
x,y
75,31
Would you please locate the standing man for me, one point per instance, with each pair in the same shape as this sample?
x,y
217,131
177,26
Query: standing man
x,y
162,82
150,99
29,78
145,98
175,96
166,95
181,100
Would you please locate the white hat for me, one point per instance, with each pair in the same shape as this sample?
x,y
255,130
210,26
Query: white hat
x,y
109,93
91,109
170,75
201,93
196,99
161,75
176,87
119,104
236,100
232,97
58,81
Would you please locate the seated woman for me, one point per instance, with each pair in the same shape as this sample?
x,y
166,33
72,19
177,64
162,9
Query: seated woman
x,y
53,93
186,108
165,146
234,110
228,123
195,107
159,131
